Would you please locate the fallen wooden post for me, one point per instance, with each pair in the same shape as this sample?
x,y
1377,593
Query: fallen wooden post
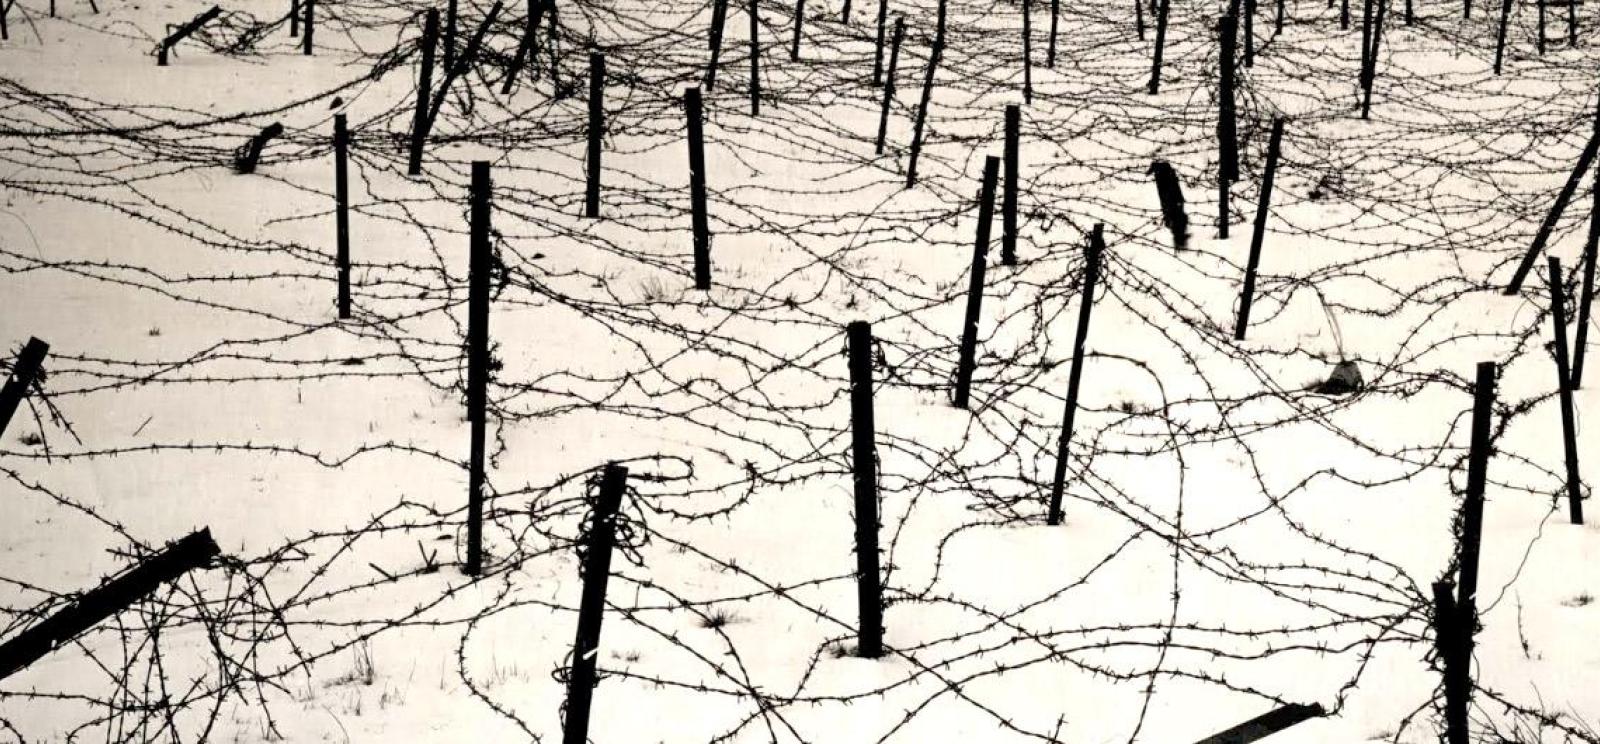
x,y
109,598
250,155
1170,190
1266,724
182,33
24,373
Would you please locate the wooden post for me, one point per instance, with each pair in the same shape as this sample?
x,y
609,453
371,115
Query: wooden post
x,y
980,256
341,200
1170,190
294,19
1371,70
1260,230
1500,37
1366,40
451,14
246,163
112,596
719,16
1541,39
799,23
1572,22
697,191
1581,341
1558,319
478,357
877,55
864,467
1091,275
420,125
1161,41
24,373
1008,202
5,29
462,62
1277,20
1050,50
1249,33
1344,15
1585,159
1452,631
1483,397
1266,724
598,541
1227,124
172,39
888,85
927,98
1027,51
310,27
755,57
527,48
597,125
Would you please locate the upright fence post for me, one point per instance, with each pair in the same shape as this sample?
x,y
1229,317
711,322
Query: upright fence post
x,y
877,54
697,191
341,198
1161,41
24,373
598,541
1483,396
478,358
864,466
1500,37
527,48
1027,51
310,27
1558,319
1091,275
1258,233
888,85
719,17
1249,33
451,17
1050,50
597,125
1452,632
294,19
419,126
1227,124
980,255
1169,188
927,98
799,24
1008,201
755,57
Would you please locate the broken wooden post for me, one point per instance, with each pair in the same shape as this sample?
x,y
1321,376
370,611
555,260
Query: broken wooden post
x,y
173,38
755,57
1500,37
597,125
1008,201
1170,190
1580,342
1161,41
1227,124
877,54
341,201
250,155
421,123
1453,625
1027,51
462,62
1483,396
968,360
20,381
799,23
310,29
864,471
527,48
719,16
597,543
1558,319
1091,275
888,84
927,98
109,598
1266,724
1540,238
1258,233
478,356
697,191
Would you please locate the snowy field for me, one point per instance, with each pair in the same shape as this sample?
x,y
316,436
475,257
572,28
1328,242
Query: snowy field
x,y
1236,537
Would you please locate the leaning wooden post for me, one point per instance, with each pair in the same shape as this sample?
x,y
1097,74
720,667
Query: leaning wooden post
x,y
597,125
527,48
799,24
310,27
1266,724
419,126
173,38
112,596
719,16
247,161
864,468
1008,201
755,57
1483,397
968,362
341,200
1558,319
1227,124
1091,275
877,54
1259,232
1370,73
1500,37
1580,342
463,61
1452,632
478,358
927,98
597,543
24,373
1585,159
1161,41
1027,51
888,85
697,190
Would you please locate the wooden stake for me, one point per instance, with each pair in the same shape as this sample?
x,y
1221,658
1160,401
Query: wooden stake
x,y
1500,38
980,257
697,191
1027,51
1581,342
1161,41
1258,234
598,541
20,382
863,459
1477,477
1558,319
172,39
1585,159
719,17
1008,208
478,358
927,98
1091,275
877,55
341,198
597,125
1227,133
888,85
310,27
421,123
755,58
1050,51
527,48
799,24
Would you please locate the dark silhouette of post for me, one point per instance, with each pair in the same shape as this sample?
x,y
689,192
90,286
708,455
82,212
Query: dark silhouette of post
x,y
1008,201
888,85
1170,190
1585,159
719,17
1027,51
527,48
420,125
1580,342
478,357
799,23
597,125
1161,42
294,19
1483,396
172,39
1453,625
1091,276
310,27
1249,33
1259,232
968,362
24,373
1266,724
1558,320
1227,123
755,57
598,541
451,17
697,190
927,98
246,162
462,61
1500,37
341,199
877,54
112,596
864,467
1050,49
